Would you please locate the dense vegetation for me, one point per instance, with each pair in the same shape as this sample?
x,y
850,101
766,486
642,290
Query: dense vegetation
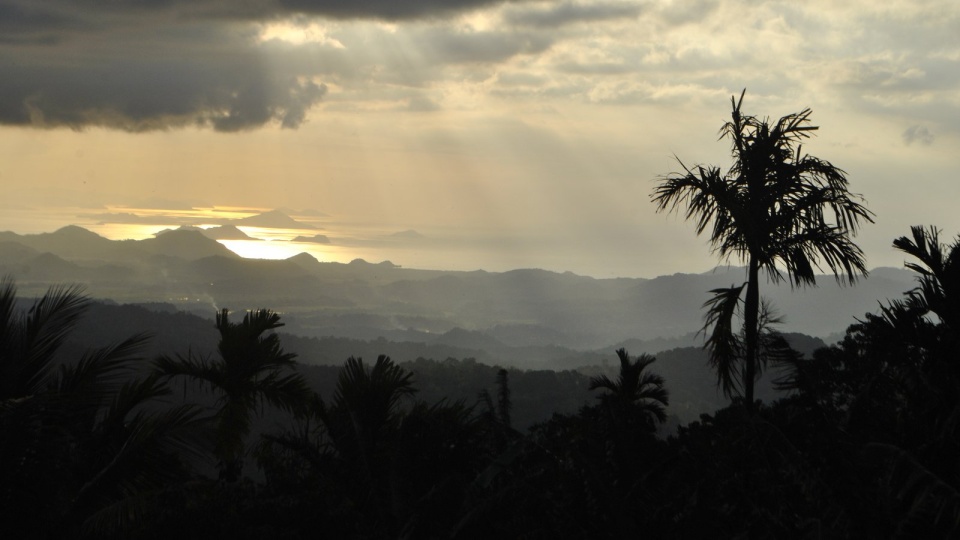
x,y
124,441
864,445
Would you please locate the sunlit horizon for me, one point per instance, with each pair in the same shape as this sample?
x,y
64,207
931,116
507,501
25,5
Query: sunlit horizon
x,y
435,249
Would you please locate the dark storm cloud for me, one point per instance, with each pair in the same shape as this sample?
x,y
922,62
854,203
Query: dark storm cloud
x,y
33,23
139,68
39,13
385,9
140,84
570,13
141,65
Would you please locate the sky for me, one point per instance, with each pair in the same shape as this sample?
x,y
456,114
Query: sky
x,y
506,134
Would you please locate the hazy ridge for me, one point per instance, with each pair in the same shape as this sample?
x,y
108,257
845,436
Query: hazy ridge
x,y
362,300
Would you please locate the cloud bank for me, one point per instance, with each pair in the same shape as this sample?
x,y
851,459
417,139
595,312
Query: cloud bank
x,y
144,65
141,65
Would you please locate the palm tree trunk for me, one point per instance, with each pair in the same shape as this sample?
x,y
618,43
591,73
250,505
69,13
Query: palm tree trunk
x,y
750,320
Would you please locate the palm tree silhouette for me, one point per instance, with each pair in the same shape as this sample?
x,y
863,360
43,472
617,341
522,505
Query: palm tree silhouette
x,y
365,409
938,266
634,386
778,209
247,374
78,451
29,342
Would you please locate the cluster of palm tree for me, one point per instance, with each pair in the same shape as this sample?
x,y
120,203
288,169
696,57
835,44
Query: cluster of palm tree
x,y
871,427
864,443
98,447
90,446
890,390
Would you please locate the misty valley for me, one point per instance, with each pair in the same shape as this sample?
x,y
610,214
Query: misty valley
x,y
445,404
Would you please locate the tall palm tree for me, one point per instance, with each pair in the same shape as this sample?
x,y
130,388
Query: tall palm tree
x,y
635,387
248,373
776,208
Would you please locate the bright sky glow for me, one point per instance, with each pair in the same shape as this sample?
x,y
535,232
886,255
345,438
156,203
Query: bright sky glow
x,y
516,134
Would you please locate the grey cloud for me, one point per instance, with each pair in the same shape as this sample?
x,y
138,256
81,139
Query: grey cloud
x,y
598,68
520,79
688,11
144,65
385,9
444,45
919,134
45,12
570,13
912,88
421,103
34,23
386,65
167,76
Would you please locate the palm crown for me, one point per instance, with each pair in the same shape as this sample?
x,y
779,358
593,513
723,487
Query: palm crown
x,y
777,209
788,211
247,373
635,386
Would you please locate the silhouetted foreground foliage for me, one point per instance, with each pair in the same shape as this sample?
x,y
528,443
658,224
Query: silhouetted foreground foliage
x,y
79,451
865,445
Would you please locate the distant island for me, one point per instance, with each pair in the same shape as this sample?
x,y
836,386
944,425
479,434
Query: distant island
x,y
409,233
316,239
274,219
223,232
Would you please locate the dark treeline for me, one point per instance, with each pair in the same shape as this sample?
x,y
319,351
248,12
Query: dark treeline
x,y
222,436
864,444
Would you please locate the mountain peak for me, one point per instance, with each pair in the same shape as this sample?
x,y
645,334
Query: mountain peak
x,y
225,232
75,231
303,257
185,244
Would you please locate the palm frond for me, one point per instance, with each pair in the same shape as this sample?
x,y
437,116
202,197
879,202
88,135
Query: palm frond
x,y
385,383
602,381
938,266
208,374
28,342
723,345
289,392
145,457
100,369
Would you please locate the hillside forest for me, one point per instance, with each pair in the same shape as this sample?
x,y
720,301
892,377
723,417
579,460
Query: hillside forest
x,y
126,421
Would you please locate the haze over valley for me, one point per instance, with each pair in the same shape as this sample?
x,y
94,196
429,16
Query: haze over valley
x,y
185,267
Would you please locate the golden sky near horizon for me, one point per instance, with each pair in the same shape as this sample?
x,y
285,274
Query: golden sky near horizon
x,y
507,133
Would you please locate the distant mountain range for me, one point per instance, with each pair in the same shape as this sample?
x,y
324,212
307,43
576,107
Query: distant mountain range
x,y
477,310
